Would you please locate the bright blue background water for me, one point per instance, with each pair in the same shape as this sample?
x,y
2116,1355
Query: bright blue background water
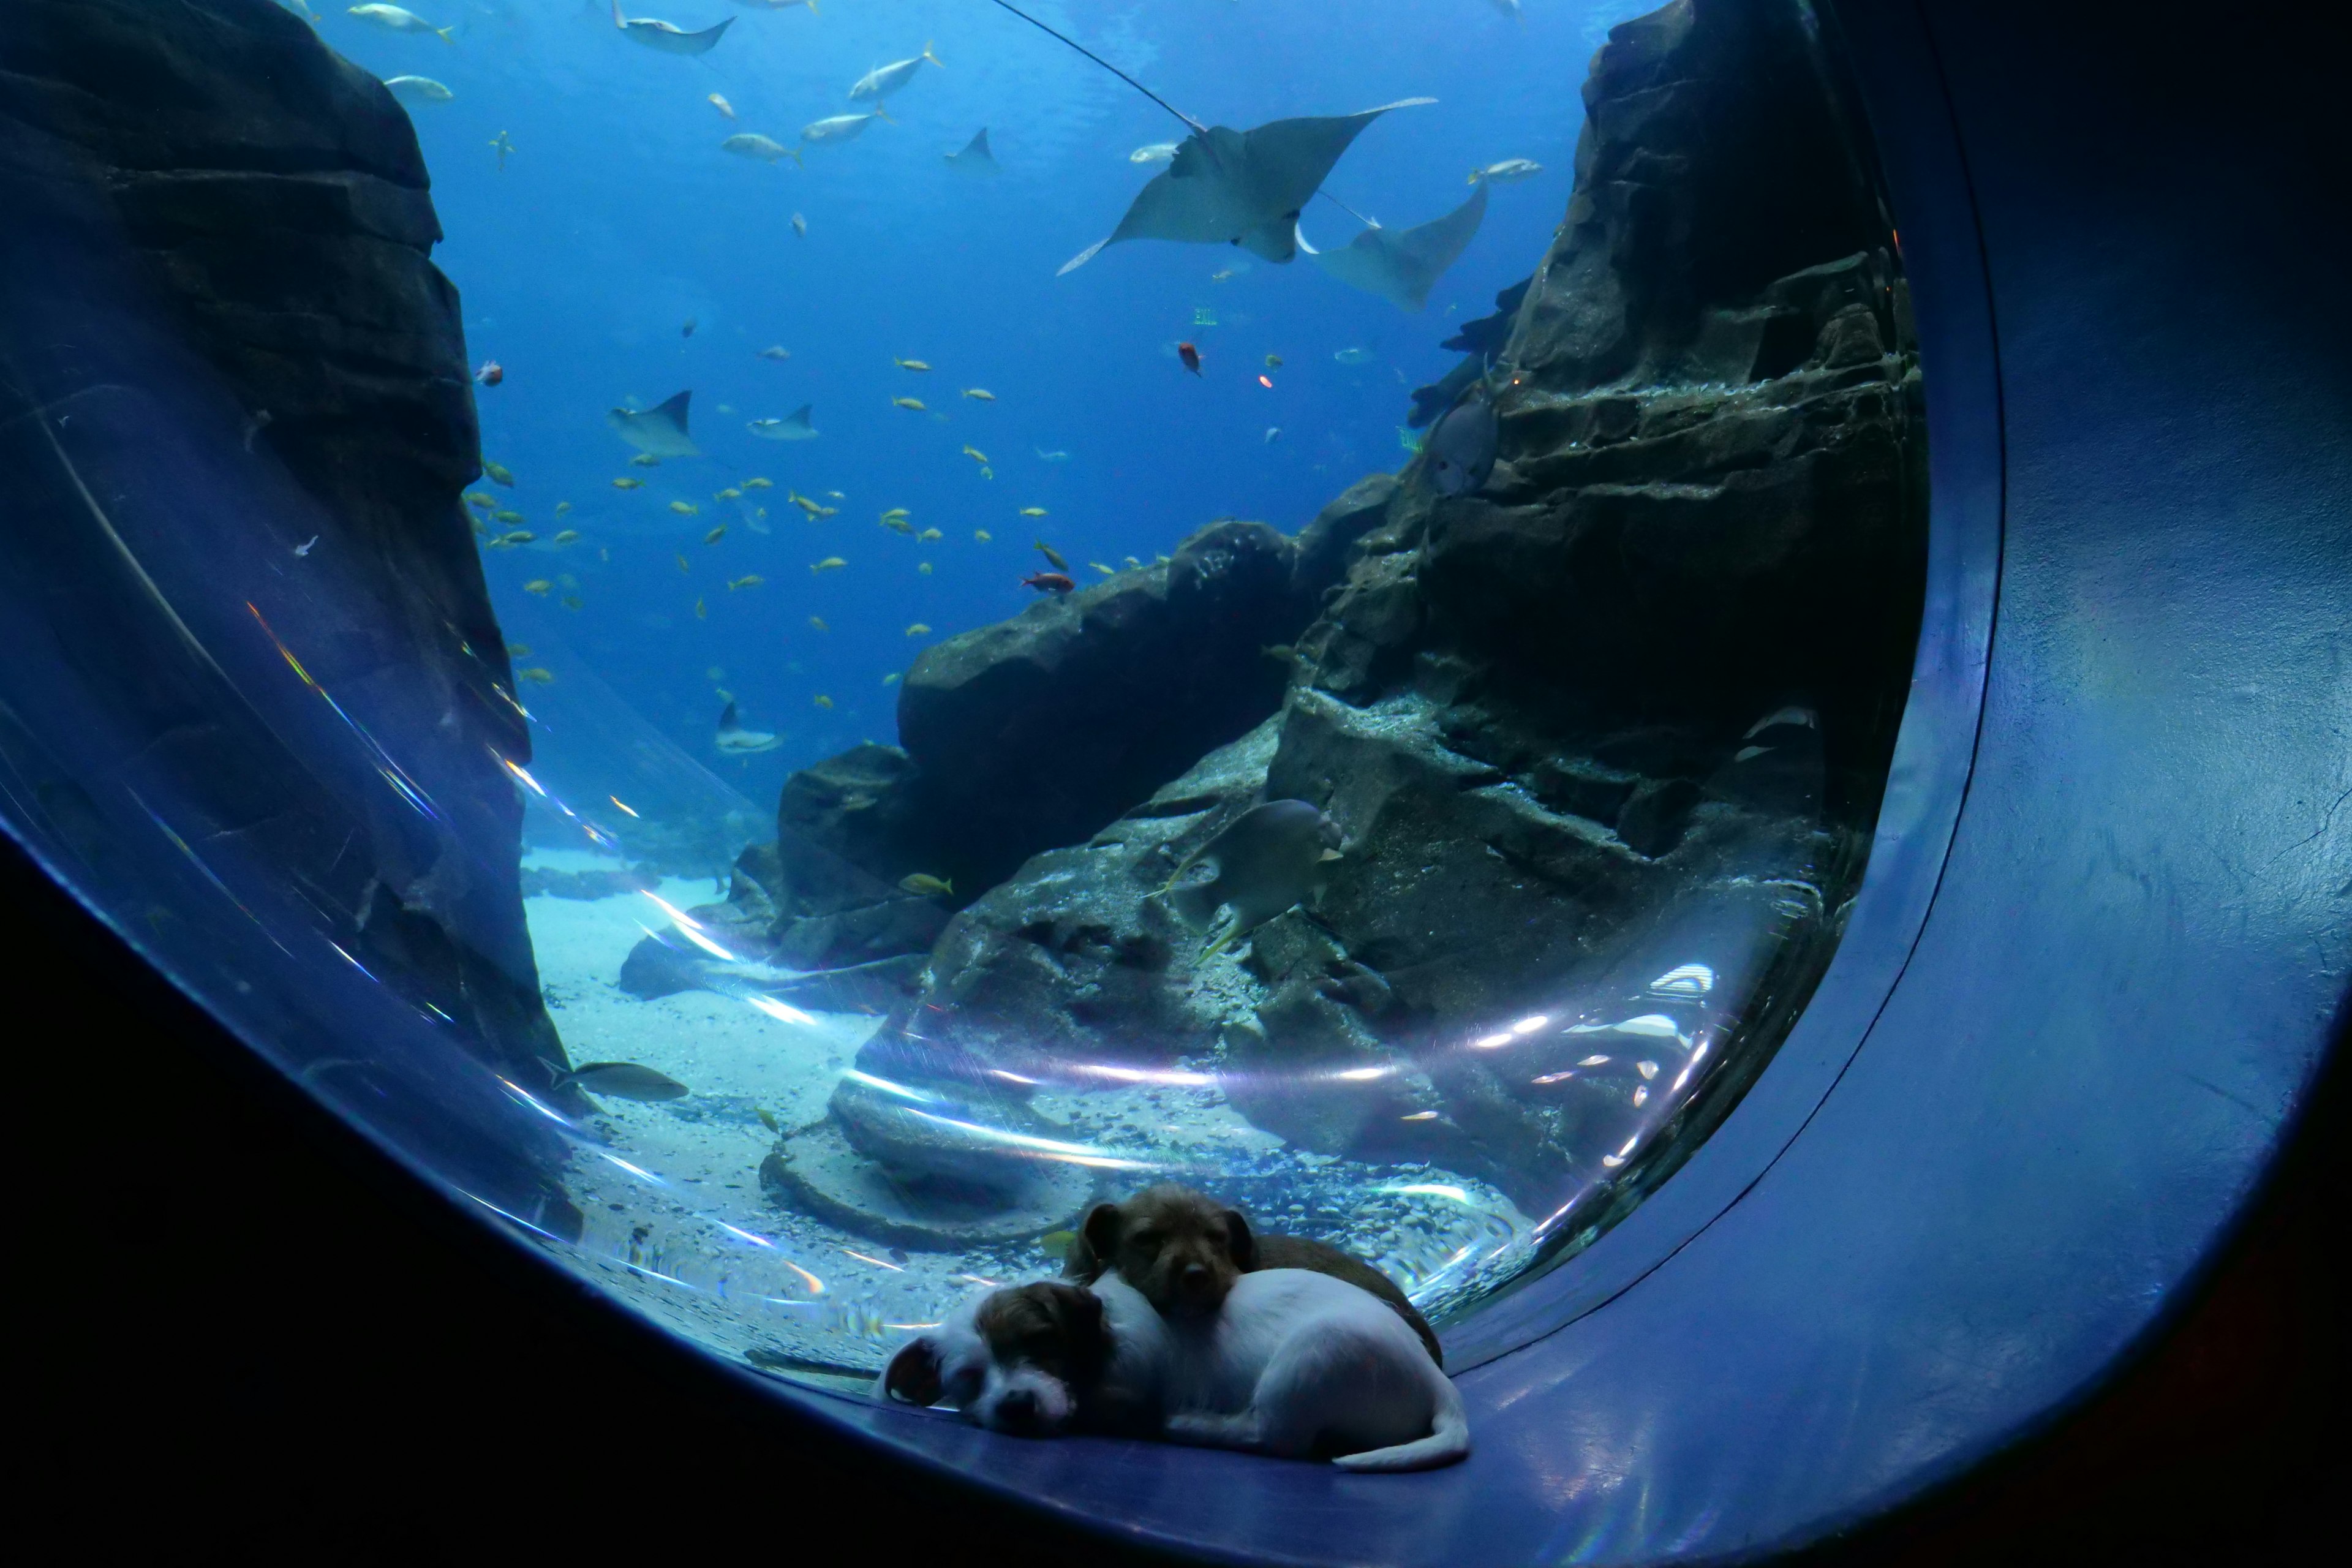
x,y
618,217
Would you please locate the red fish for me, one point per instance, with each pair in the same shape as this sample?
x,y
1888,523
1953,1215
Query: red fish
x,y
1049,583
491,373
1191,356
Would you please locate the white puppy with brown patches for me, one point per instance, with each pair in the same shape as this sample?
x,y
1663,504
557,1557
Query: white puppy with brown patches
x,y
1294,1364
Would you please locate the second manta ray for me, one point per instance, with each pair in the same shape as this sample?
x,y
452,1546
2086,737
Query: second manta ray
x,y
1241,187
1403,265
734,741
668,37
658,431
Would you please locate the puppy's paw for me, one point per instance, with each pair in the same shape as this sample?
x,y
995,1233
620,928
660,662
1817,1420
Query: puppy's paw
x,y
1213,1431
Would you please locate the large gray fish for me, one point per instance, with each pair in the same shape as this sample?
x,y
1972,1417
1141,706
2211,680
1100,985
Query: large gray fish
x,y
793,426
669,37
975,158
734,741
1403,265
1268,858
839,127
883,80
659,431
1225,187
623,1080
751,144
1461,447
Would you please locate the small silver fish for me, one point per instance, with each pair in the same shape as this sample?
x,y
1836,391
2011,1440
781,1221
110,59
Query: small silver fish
x,y
883,80
621,1081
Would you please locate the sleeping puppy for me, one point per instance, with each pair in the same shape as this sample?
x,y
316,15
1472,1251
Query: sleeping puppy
x,y
1294,1364
1301,1365
1184,1251
1037,1360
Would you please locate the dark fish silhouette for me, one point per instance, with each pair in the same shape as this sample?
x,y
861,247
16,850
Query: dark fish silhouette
x,y
1268,859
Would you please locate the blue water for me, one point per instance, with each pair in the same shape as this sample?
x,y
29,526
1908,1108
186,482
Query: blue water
x,y
617,218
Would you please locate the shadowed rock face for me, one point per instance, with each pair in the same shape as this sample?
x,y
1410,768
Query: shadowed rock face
x,y
266,203
1629,704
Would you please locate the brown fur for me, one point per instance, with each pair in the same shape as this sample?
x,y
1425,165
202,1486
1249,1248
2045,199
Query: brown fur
x,y
1182,1251
1057,1329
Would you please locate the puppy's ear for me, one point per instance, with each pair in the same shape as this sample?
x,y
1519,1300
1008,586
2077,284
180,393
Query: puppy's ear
x,y
1078,1315
1098,1243
913,1373
1240,1241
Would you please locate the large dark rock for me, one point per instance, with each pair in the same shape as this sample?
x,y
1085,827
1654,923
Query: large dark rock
x,y
225,338
1625,709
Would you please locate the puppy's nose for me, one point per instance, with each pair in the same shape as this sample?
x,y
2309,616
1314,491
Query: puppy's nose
x,y
1018,1409
1196,1280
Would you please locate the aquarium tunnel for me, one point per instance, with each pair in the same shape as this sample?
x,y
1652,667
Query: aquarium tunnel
x,y
1677,675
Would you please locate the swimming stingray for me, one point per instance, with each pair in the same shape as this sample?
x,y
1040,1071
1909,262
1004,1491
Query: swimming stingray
x,y
1402,264
734,741
669,37
793,426
975,158
1268,858
1241,187
659,430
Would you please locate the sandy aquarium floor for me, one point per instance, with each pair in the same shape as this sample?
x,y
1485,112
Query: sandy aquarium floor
x,y
677,1223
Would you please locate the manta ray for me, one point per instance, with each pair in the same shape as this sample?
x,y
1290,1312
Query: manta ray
x,y
669,37
659,430
1241,187
975,158
1403,265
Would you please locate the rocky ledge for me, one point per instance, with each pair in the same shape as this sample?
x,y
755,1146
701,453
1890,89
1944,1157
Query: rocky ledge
x,y
1626,705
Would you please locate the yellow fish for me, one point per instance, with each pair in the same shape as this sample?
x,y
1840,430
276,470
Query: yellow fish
x,y
1131,561
628,484
928,886
730,493
562,507
1052,554
930,533
821,700
899,525
898,512
924,567
505,517
919,630
909,364
816,623
982,536
720,104
891,678
715,535
646,460
914,403
975,454
1101,568
757,484
481,529
569,536
500,472
986,472
701,611
518,650
539,585
830,564
683,564
749,580
475,498
519,536
684,507
1274,361
536,676
980,393
574,601
1033,511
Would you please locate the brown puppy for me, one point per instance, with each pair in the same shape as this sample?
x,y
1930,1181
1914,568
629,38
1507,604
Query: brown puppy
x,y
1182,1251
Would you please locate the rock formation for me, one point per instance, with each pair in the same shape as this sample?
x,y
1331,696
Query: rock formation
x,y
218,246
1629,703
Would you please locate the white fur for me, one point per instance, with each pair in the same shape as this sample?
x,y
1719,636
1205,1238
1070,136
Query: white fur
x,y
1296,1361
972,1381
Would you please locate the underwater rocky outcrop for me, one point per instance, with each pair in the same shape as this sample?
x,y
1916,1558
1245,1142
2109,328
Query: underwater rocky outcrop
x,y
266,203
1630,700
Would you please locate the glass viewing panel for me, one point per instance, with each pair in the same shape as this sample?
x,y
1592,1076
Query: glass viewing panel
x,y
1378,721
